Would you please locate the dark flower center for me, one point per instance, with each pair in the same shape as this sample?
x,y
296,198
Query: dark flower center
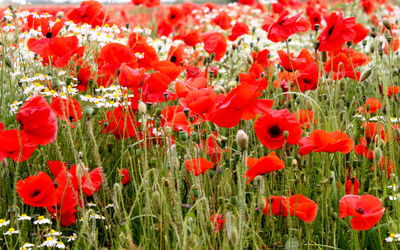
x,y
49,34
330,31
275,131
172,16
36,193
173,59
360,211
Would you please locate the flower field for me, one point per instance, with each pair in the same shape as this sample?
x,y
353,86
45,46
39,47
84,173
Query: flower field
x,y
249,125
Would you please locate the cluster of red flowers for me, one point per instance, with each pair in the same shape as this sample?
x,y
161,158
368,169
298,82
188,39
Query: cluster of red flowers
x,y
61,195
149,80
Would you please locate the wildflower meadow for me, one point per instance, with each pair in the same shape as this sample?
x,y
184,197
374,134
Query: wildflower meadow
x,y
246,125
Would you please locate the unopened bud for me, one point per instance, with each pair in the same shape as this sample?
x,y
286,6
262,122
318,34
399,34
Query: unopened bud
x,y
219,89
249,60
156,200
324,56
285,134
232,231
295,163
316,27
60,14
142,108
366,74
378,153
386,24
242,140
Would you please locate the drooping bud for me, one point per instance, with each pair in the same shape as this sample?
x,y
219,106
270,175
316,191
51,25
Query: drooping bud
x,y
386,24
366,74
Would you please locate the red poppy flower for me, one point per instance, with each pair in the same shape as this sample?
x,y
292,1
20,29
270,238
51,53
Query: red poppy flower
x,y
211,147
37,190
126,177
352,185
302,207
198,166
215,42
90,12
218,221
176,54
361,33
308,78
200,101
297,205
264,165
175,117
164,28
168,68
57,50
50,32
37,120
276,128
222,20
239,29
175,15
323,141
148,55
16,145
305,117
91,181
155,87
283,28
120,122
131,78
373,129
372,106
110,59
366,210
67,109
363,149
291,63
338,32
393,90
261,57
192,38
240,103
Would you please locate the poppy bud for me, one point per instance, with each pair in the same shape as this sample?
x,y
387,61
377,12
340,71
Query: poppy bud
x,y
242,140
219,89
155,200
388,38
232,84
386,24
316,27
186,112
316,45
366,74
285,134
232,231
378,153
148,105
324,56
364,43
60,14
295,163
89,111
166,96
372,48
349,43
153,162
261,203
183,136
142,108
249,60
80,170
